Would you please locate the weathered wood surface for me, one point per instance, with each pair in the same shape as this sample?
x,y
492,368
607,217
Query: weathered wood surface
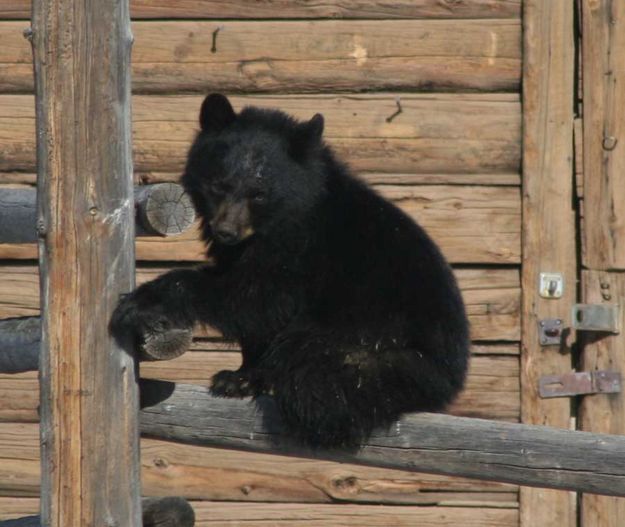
x,y
548,226
442,444
492,389
492,298
20,344
157,512
216,474
162,209
603,51
305,56
209,514
20,9
89,392
471,225
435,133
603,413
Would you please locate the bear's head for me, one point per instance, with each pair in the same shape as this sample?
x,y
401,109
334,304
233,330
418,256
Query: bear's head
x,y
251,173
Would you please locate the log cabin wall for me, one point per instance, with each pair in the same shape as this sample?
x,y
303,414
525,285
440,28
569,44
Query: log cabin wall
x,y
451,158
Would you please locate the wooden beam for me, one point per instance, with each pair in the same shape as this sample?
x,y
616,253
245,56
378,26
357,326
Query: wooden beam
x,y
298,9
199,472
603,226
305,56
20,344
440,444
603,413
603,52
548,227
435,133
161,210
89,392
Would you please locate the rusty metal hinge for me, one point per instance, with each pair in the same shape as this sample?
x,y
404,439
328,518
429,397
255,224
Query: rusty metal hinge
x,y
579,383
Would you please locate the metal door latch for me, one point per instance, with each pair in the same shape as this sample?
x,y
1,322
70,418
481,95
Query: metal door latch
x,y
550,331
596,317
579,383
551,285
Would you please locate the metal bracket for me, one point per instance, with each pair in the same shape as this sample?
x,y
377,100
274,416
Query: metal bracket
x,y
579,383
596,317
551,285
550,331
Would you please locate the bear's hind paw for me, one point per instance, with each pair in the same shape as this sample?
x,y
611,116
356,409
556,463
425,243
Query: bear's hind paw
x,y
228,383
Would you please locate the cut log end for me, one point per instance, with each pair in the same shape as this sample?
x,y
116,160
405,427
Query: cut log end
x,y
167,345
166,210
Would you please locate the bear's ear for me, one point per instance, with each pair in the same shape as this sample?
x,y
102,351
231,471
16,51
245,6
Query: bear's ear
x,y
307,135
216,113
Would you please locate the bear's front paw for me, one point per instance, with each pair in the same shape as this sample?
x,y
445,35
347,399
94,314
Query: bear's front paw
x,y
136,326
228,383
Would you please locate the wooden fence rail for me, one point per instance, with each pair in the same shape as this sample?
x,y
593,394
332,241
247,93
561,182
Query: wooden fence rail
x,y
439,444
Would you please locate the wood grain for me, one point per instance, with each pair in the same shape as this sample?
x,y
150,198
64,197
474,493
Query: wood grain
x,y
603,413
548,225
441,444
89,392
603,50
435,133
302,9
305,56
492,298
217,474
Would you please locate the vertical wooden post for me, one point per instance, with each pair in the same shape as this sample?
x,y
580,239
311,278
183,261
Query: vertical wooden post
x,y
89,395
603,56
548,226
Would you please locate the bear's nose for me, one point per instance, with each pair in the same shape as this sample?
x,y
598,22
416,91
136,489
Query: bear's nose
x,y
226,235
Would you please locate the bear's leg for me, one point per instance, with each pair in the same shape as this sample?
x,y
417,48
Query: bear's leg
x,y
334,394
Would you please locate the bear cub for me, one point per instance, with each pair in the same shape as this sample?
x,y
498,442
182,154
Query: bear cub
x,y
345,310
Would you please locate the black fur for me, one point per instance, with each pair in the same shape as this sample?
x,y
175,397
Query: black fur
x,y
345,310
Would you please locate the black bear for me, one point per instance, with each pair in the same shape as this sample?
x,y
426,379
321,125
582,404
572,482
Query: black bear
x,y
345,310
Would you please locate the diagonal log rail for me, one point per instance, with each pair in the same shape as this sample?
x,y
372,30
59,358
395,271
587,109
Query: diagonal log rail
x,y
529,455
536,456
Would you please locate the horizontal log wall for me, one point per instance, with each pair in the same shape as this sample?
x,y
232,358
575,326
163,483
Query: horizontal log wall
x,y
305,515
451,159
435,133
300,57
302,9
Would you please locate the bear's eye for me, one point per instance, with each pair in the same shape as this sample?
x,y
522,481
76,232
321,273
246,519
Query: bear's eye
x,y
258,197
